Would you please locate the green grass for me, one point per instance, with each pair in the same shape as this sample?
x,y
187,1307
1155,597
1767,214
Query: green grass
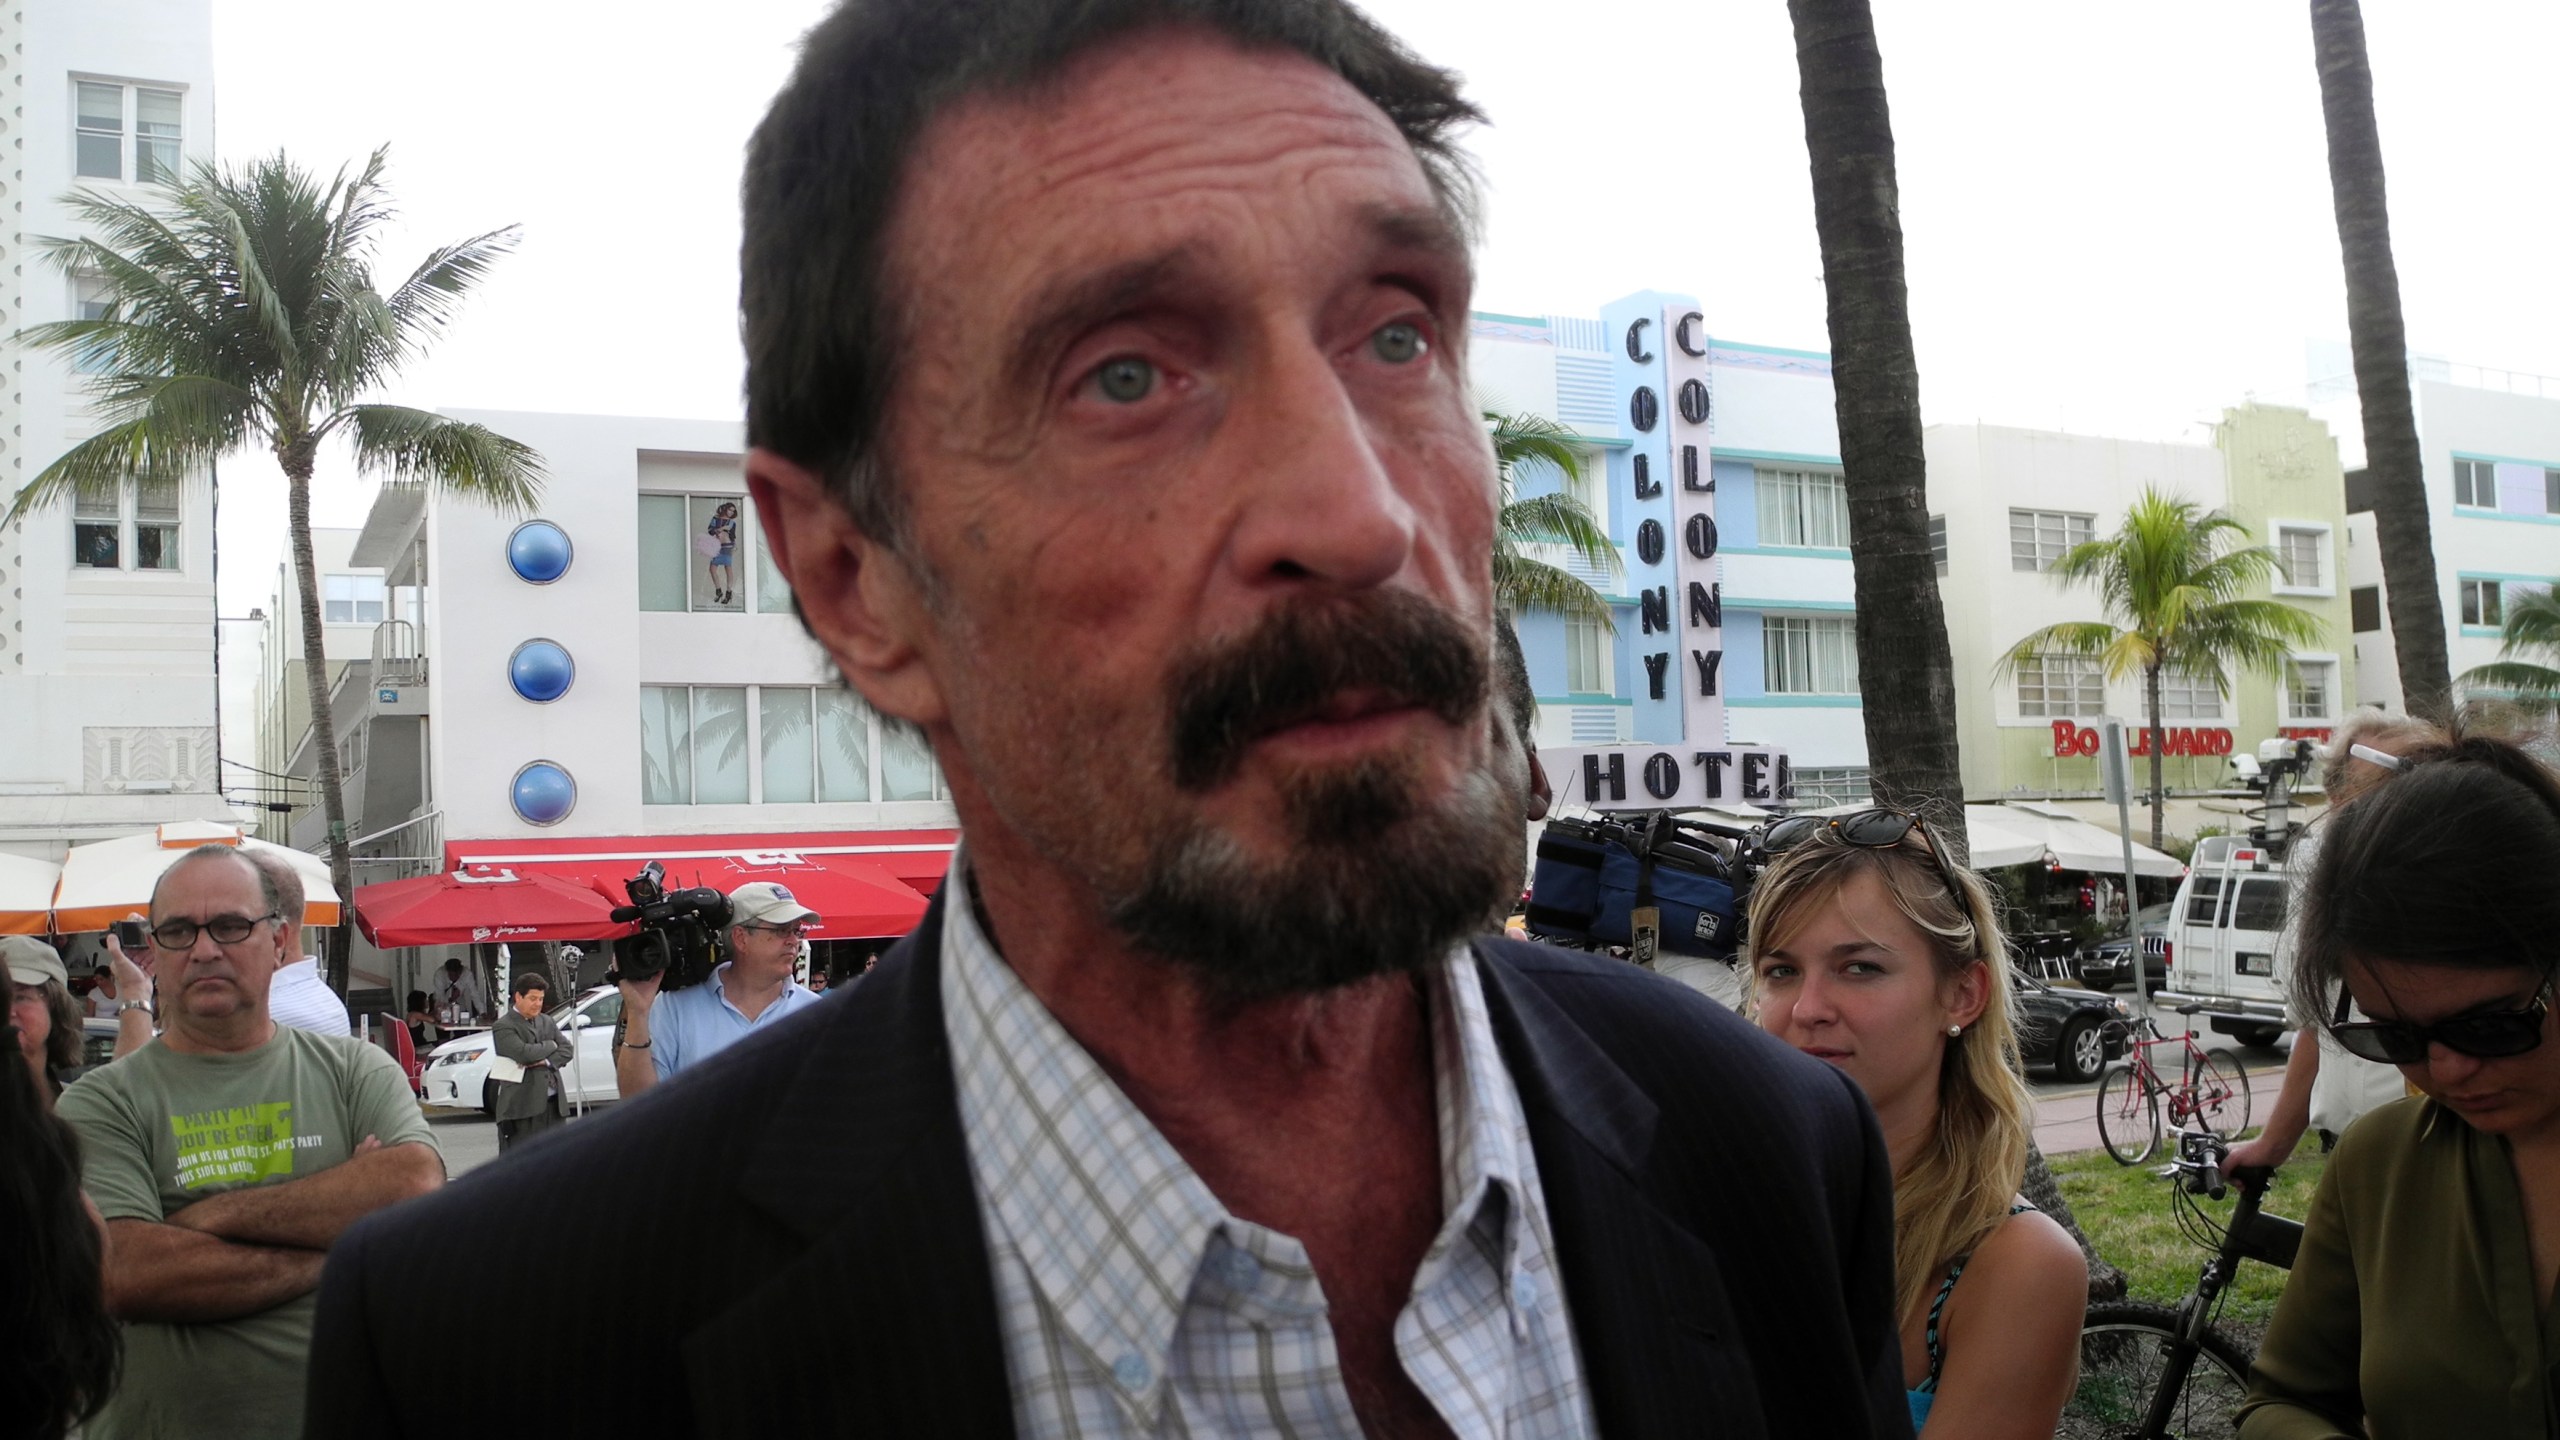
x,y
2125,1211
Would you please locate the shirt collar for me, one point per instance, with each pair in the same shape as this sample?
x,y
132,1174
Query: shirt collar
x,y
1113,1225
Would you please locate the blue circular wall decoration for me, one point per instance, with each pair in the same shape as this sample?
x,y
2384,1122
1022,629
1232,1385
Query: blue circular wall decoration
x,y
539,552
541,671
543,793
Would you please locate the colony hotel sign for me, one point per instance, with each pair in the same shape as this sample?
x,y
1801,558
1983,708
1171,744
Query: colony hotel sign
x,y
1680,756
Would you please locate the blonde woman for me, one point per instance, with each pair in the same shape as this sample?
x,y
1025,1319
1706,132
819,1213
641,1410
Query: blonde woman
x,y
1872,951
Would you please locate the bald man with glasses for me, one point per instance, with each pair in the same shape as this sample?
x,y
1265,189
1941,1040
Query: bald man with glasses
x,y
227,1156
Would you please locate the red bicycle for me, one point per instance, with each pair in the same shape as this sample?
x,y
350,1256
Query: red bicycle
x,y
2212,1091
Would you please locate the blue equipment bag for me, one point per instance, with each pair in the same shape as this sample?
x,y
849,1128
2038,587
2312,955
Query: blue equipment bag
x,y
1594,877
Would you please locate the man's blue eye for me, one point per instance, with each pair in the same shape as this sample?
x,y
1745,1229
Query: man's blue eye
x,y
1126,380
1399,343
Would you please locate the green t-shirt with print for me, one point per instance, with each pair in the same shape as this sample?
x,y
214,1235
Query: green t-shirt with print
x,y
160,1130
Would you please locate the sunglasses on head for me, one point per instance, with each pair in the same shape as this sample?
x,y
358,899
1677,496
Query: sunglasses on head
x,y
2489,1035
1879,829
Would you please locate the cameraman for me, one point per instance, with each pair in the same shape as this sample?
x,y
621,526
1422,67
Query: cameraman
x,y
752,987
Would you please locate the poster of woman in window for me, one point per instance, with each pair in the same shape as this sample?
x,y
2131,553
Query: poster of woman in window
x,y
717,544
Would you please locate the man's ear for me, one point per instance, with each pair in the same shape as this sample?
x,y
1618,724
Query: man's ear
x,y
857,596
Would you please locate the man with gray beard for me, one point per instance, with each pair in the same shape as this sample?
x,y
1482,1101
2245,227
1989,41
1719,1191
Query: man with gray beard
x,y
1107,390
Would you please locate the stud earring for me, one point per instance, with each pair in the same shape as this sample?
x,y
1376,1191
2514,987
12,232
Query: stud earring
x,y
1954,1031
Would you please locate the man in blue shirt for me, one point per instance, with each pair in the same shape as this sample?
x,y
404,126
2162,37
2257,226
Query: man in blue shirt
x,y
752,988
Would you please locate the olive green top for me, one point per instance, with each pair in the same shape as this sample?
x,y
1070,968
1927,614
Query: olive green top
x,y
2411,1310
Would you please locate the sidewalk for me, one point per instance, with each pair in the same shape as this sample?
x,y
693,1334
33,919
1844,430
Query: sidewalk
x,y
2069,1122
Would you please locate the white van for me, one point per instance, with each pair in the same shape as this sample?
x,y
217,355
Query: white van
x,y
2226,934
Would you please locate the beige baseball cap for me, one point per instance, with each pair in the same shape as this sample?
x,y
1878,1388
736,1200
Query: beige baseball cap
x,y
765,903
31,961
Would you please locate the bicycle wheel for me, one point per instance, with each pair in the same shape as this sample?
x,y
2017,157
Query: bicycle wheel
x,y
2222,1094
2124,1358
2128,1116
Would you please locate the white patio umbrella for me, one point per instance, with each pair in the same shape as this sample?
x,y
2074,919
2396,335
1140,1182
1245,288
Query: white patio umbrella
x,y
104,882
26,894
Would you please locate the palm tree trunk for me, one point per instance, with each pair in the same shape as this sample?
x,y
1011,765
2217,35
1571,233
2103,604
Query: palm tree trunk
x,y
2400,518
295,457
1905,670
2159,784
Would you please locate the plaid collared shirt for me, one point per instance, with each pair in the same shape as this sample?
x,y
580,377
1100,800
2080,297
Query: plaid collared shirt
x,y
1134,1304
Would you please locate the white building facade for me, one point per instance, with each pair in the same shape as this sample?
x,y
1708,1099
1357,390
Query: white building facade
x,y
107,611
616,677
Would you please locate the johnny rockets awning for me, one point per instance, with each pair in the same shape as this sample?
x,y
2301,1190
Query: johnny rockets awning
x,y
484,903
862,883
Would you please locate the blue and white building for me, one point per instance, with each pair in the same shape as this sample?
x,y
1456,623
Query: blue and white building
x,y
1732,674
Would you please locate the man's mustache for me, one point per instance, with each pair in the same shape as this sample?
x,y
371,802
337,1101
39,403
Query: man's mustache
x,y
1300,660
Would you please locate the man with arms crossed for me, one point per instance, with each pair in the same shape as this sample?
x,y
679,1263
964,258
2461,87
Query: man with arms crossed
x,y
227,1156
1107,390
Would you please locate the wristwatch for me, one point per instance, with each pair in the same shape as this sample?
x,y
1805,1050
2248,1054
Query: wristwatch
x,y
124,1005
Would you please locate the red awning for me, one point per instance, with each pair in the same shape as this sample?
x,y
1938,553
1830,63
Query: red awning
x,y
863,883
482,904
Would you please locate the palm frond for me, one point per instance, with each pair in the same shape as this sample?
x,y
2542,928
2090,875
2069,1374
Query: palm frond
x,y
1556,519
2519,680
1527,438
2070,637
424,302
402,443
1521,584
133,450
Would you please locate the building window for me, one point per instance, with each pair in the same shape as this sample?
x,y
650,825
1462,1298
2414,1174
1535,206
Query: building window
x,y
1808,508
1809,654
812,745
2484,603
1586,657
2475,483
128,526
2188,697
351,600
101,126
2551,492
1820,788
1938,544
693,553
2364,606
2060,687
2300,556
2307,689
2037,538
90,300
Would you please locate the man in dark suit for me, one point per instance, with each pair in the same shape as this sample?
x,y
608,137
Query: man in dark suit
x,y
532,1102
1108,402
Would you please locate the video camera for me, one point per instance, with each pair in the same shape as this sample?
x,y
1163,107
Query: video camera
x,y
2273,774
679,935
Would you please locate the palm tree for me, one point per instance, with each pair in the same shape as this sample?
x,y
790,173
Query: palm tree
x,y
242,313
2532,625
1904,665
1519,582
2400,521
2179,601
1905,668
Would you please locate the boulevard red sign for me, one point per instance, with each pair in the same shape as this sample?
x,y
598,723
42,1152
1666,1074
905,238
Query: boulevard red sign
x,y
2071,739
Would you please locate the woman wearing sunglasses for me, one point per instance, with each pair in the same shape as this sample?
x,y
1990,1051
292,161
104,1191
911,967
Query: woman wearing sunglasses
x,y
2421,1302
1870,950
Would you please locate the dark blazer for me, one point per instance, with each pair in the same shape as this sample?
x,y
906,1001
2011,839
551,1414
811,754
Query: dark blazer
x,y
787,1240
528,1042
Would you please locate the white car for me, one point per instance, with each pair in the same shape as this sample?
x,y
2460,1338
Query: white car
x,y
457,1072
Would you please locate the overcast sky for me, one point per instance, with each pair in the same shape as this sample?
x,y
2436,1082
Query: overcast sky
x,y
2117,217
